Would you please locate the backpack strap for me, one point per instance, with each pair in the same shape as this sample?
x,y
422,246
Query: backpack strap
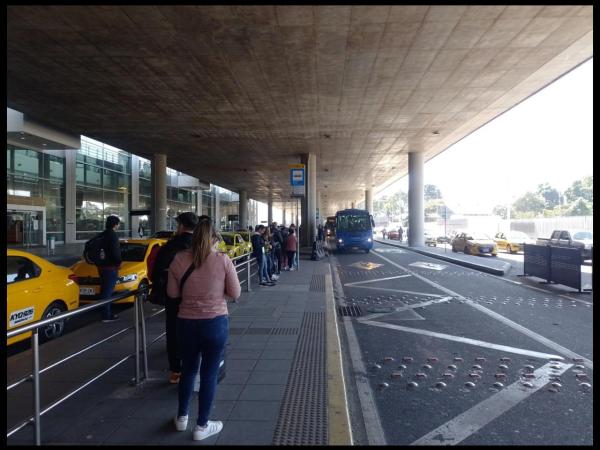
x,y
185,277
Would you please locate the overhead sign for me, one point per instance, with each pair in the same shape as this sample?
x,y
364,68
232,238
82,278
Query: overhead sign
x,y
297,179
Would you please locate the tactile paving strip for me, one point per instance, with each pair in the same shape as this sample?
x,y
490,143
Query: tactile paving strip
x,y
317,283
303,414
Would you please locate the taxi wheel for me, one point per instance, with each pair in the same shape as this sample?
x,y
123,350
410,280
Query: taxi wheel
x,y
57,328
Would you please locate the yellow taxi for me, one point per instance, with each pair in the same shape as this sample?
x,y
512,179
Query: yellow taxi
x,y
512,241
37,289
474,244
247,242
133,273
232,244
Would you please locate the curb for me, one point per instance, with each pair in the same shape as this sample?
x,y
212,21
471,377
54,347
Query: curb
x,y
459,262
337,405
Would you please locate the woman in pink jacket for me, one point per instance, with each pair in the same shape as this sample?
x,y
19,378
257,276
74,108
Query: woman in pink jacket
x,y
290,248
202,322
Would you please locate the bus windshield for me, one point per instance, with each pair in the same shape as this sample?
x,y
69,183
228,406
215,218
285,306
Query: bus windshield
x,y
353,222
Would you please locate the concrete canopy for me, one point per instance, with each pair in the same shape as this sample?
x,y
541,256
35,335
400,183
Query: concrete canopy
x,y
233,94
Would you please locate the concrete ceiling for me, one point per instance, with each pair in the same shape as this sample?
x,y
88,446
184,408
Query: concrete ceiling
x,y
233,94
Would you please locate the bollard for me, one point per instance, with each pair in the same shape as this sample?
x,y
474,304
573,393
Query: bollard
x,y
51,244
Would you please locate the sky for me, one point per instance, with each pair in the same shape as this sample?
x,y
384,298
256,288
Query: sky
x,y
546,138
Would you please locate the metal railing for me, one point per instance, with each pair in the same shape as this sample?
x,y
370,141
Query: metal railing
x,y
243,262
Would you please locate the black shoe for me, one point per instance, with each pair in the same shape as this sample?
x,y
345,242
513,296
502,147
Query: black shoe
x,y
271,283
112,318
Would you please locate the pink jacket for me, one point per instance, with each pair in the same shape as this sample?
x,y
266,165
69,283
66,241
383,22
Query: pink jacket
x,y
205,290
291,243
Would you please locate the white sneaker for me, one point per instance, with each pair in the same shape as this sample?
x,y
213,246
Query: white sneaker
x,y
274,277
212,427
181,423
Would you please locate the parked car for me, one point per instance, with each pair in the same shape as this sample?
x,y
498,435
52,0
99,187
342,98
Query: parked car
x,y
133,273
474,244
37,289
232,244
512,241
246,236
581,239
430,240
393,234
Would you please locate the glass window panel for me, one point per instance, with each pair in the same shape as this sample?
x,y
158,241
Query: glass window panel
x,y
117,204
79,173
56,167
93,175
145,187
27,161
145,168
89,211
9,154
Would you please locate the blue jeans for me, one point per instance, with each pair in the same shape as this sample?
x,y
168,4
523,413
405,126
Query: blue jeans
x,y
263,273
206,338
108,281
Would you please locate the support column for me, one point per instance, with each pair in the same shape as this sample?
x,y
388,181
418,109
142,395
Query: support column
x,y
352,205
70,197
243,210
269,212
369,200
159,192
283,218
217,210
416,212
135,193
309,210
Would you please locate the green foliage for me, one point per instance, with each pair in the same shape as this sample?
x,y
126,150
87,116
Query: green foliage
x,y
530,202
431,192
583,188
551,196
579,207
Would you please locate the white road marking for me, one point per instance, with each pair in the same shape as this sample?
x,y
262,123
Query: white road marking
x,y
375,434
576,299
426,265
396,290
405,308
474,419
532,334
462,340
376,280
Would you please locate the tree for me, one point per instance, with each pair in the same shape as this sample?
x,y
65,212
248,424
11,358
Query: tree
x,y
530,203
583,188
579,208
551,196
431,192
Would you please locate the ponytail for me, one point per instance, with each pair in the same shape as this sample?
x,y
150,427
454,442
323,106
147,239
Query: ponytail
x,y
203,240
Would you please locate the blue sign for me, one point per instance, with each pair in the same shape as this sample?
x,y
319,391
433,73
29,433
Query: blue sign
x,y
297,177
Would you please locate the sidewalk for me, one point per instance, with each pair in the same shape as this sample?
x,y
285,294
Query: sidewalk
x,y
482,263
281,377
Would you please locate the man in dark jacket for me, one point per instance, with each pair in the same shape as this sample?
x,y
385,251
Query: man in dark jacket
x,y
186,223
258,251
109,271
277,246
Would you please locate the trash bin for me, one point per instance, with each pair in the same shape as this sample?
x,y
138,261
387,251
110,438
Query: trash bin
x,y
51,243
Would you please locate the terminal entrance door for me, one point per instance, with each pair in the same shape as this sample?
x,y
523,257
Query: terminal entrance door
x,y
24,228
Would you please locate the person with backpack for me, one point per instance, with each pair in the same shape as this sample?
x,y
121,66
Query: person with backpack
x,y
104,251
202,322
158,272
258,251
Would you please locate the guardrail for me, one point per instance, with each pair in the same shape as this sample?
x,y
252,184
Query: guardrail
x,y
140,335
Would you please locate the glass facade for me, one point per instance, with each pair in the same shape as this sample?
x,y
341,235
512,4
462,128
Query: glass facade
x,y
37,178
103,188
102,176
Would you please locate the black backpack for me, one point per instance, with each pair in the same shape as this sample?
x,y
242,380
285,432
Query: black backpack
x,y
95,251
158,294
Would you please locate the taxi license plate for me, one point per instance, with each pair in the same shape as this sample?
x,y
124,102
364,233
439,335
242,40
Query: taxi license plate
x,y
484,249
87,291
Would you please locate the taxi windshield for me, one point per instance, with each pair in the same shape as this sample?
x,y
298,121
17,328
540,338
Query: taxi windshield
x,y
133,252
228,239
